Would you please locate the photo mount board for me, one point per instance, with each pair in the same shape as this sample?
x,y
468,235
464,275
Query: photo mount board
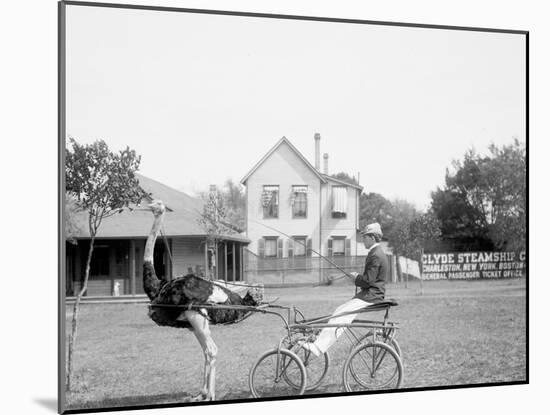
x,y
65,106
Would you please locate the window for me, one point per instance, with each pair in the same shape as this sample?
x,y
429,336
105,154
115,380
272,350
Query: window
x,y
271,247
339,201
270,201
338,246
298,201
299,245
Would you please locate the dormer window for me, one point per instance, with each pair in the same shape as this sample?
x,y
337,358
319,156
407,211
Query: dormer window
x,y
339,201
298,201
270,201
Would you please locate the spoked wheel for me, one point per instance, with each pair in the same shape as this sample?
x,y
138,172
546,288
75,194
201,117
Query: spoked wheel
x,y
372,366
316,367
393,342
278,372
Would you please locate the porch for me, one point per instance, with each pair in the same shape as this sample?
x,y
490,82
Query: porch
x,y
116,265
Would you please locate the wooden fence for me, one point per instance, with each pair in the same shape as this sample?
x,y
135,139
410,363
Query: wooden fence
x,y
276,272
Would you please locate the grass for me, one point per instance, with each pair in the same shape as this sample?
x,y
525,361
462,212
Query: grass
x,y
454,333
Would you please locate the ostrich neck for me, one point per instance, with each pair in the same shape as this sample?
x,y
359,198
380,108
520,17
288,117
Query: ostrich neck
x,y
151,239
151,284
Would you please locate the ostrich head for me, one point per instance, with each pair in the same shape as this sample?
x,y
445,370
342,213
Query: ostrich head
x,y
157,207
254,296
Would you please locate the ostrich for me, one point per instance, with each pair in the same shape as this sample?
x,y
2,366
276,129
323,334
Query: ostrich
x,y
185,291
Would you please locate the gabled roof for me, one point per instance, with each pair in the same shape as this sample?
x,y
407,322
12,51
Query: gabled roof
x,y
273,149
342,182
180,219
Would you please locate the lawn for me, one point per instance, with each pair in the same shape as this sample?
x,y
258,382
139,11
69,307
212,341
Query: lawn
x,y
452,333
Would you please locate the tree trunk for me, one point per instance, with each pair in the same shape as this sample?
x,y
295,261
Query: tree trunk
x,y
76,309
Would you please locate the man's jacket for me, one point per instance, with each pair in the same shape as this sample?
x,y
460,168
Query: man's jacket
x,y
372,281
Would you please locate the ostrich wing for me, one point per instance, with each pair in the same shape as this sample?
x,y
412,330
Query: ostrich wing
x,y
192,290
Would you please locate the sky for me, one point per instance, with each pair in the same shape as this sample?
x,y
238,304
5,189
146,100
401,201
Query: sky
x,y
203,97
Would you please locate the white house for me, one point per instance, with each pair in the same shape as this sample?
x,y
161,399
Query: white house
x,y
286,194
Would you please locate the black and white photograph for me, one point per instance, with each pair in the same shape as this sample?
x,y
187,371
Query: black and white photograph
x,y
263,207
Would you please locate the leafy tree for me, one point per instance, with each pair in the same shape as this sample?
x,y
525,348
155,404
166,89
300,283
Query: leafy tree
x,y
484,199
345,177
72,227
214,221
423,230
373,207
231,199
235,204
402,214
103,183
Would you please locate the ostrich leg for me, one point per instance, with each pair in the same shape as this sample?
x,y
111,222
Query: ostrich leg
x,y
201,329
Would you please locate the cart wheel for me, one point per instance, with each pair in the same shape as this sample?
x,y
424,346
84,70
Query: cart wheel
x,y
278,372
393,343
372,366
316,367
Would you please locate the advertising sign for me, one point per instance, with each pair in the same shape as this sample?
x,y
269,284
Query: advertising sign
x,y
471,265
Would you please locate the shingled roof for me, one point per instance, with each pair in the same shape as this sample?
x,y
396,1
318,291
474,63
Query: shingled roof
x,y
181,218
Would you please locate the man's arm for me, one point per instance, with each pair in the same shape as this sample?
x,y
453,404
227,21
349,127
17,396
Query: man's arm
x,y
371,272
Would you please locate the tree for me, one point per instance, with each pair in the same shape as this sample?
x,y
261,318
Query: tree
x,y
232,199
72,227
345,177
373,207
484,199
398,234
234,202
213,220
103,183
423,230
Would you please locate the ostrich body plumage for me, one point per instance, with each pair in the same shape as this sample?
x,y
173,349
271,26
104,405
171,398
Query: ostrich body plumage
x,y
189,290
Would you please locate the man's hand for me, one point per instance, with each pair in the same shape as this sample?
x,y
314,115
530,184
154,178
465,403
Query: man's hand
x,y
354,274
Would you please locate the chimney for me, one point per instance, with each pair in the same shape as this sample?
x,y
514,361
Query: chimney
x,y
325,163
318,151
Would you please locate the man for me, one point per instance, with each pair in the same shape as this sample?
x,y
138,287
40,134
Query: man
x,y
372,289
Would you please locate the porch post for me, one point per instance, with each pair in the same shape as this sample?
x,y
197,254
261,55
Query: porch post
x,y
234,276
132,270
216,262
206,274
225,261
241,255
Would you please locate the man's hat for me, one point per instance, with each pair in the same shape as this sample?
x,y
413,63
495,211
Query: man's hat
x,y
373,228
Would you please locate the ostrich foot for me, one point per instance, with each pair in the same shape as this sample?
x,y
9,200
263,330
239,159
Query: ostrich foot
x,y
201,397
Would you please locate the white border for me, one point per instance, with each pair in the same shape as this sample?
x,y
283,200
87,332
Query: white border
x,y
29,171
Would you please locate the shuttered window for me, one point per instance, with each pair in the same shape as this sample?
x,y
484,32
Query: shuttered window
x,y
308,247
300,243
270,201
299,201
338,246
270,247
339,201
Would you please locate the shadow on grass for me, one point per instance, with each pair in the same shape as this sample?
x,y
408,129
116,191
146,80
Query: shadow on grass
x,y
48,403
129,401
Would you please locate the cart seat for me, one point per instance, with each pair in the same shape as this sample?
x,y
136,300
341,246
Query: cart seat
x,y
381,305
